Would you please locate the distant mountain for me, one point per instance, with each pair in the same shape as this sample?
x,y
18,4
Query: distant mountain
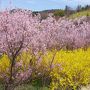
x,y
44,14
57,13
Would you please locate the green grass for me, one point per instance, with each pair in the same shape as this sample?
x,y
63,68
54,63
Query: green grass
x,y
26,87
80,14
1,87
29,87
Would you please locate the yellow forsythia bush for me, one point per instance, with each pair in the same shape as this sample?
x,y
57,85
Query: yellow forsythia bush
x,y
73,71
4,65
68,70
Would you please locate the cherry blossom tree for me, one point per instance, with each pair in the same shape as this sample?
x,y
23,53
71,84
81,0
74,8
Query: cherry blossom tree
x,y
16,31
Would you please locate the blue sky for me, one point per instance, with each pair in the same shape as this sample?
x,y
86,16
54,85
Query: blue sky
x,y
38,5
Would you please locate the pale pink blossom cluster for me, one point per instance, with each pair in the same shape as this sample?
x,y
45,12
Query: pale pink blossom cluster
x,y
23,75
22,27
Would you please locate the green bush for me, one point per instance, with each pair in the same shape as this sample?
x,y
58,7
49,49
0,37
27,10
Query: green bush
x,y
60,13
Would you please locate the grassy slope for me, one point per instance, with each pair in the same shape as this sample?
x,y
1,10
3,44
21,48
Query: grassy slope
x,y
80,14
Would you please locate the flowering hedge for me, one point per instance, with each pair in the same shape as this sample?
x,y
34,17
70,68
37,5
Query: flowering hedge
x,y
62,69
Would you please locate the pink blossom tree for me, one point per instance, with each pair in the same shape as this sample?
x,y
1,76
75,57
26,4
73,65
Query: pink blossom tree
x,y
16,32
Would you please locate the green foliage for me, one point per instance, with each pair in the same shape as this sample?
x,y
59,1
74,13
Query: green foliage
x,y
60,13
1,87
80,14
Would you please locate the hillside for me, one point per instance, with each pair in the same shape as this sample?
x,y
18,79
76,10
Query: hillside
x,y
57,13
60,13
80,14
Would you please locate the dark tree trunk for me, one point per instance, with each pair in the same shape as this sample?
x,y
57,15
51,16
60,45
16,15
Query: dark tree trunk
x,y
9,87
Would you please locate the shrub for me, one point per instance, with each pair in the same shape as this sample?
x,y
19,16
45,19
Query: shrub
x,y
74,71
62,69
60,13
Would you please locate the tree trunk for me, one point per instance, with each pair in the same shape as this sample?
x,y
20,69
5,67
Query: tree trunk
x,y
9,87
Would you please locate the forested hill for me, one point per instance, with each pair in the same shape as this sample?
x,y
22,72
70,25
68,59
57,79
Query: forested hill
x,y
67,12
